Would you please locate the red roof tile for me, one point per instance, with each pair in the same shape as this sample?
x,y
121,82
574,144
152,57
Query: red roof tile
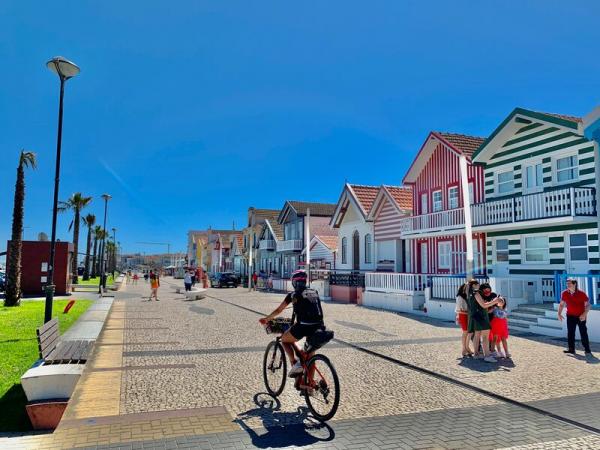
x,y
401,195
563,116
365,195
462,142
329,241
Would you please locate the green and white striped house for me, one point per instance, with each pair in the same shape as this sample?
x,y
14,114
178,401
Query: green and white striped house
x,y
539,213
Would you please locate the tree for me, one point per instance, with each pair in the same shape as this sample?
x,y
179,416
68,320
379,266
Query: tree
x,y
75,203
89,222
13,275
97,238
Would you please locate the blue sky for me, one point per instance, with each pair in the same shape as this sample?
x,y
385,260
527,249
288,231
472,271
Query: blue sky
x,y
188,112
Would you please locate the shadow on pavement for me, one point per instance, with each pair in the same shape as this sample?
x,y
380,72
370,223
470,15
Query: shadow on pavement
x,y
479,365
283,429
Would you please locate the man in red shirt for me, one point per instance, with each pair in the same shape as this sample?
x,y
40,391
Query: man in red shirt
x,y
578,305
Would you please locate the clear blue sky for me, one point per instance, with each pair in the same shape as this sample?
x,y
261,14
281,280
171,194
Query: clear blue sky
x,y
188,112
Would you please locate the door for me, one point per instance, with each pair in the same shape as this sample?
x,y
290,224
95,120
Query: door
x,y
356,251
424,259
501,262
576,249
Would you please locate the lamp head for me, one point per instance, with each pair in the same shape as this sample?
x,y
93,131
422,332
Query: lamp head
x,y
106,197
64,68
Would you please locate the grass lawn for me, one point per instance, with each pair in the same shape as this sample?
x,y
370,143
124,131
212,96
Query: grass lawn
x,y
18,351
94,281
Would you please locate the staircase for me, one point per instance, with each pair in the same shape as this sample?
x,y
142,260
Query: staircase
x,y
536,318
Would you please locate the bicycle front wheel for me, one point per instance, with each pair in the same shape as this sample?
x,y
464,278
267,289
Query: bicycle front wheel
x,y
323,396
274,368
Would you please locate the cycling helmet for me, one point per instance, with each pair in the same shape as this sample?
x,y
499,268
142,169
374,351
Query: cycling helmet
x,y
299,279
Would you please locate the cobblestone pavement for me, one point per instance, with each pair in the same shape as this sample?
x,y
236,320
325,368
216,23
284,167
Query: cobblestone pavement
x,y
187,374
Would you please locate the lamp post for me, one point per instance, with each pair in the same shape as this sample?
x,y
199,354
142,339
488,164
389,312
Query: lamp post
x,y
64,69
102,282
114,257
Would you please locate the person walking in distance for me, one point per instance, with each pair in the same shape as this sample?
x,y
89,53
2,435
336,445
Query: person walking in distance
x,y
188,281
135,278
254,280
154,285
578,306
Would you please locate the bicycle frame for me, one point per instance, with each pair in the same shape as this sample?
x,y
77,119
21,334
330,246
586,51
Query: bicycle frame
x,y
304,357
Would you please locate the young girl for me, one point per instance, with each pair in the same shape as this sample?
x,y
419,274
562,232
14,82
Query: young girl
x,y
462,319
499,327
154,285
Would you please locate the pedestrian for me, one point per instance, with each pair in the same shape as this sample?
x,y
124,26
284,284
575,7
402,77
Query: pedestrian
x,y
135,278
145,277
485,290
254,279
128,277
462,319
499,329
188,280
479,320
154,285
578,306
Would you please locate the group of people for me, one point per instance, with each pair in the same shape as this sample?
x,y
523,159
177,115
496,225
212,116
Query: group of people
x,y
131,278
483,318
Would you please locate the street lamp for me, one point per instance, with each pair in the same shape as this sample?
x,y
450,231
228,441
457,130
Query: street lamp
x,y
102,281
114,263
65,69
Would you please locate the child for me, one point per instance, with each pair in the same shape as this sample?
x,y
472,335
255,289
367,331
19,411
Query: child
x,y
499,328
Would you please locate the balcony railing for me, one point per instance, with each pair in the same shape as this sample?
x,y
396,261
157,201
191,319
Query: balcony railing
x,y
573,201
395,282
289,245
267,244
437,221
446,286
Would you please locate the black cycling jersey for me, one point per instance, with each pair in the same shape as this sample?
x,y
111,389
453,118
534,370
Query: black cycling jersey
x,y
307,306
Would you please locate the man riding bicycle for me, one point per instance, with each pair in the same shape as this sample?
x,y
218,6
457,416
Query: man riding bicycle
x,y
308,316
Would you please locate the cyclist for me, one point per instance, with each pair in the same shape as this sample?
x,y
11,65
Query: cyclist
x,y
308,316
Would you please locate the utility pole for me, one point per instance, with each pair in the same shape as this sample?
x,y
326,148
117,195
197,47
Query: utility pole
x,y
464,181
307,243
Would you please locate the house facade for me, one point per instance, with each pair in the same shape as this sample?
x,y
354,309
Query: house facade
x,y
251,236
270,234
323,252
539,212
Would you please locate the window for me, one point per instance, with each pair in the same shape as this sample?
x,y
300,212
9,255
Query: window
x,y
424,209
453,197
536,249
344,250
437,201
502,250
471,195
368,248
578,250
566,169
407,260
445,255
505,182
534,178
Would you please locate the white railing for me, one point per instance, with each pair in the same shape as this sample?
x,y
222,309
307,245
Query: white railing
x,y
571,201
289,245
395,282
437,221
266,244
446,286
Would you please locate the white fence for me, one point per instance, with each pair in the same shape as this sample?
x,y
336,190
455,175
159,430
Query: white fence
x,y
446,287
437,221
395,282
267,244
289,245
558,203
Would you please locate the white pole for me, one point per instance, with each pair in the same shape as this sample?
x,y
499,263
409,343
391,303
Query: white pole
x,y
464,181
250,260
307,240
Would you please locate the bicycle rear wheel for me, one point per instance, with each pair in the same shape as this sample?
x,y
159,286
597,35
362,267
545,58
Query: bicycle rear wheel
x,y
274,368
324,398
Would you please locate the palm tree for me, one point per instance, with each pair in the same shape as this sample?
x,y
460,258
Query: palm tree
x,y
97,232
89,222
75,203
13,275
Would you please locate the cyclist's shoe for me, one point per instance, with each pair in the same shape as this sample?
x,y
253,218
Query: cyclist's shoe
x,y
296,370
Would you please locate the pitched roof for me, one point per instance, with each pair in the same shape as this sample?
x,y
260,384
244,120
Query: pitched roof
x,y
563,116
365,195
239,241
401,195
328,241
276,227
463,143
316,209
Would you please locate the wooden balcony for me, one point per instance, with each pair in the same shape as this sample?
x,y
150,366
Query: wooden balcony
x,y
291,245
266,244
570,201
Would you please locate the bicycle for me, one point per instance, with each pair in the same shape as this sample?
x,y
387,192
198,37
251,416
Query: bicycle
x,y
321,392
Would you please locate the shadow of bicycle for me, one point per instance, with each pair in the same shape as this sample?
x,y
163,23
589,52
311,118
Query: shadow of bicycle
x,y
283,429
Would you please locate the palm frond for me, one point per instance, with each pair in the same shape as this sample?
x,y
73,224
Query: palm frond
x,y
27,159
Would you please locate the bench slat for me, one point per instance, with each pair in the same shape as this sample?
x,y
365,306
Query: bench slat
x,y
47,327
46,347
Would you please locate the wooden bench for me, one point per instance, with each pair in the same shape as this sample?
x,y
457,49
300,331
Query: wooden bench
x,y
53,351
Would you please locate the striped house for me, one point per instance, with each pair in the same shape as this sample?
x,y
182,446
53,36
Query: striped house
x,y
539,212
392,204
323,252
435,233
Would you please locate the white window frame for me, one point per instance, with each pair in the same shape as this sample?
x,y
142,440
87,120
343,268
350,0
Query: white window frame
x,y
546,259
534,165
368,248
496,251
573,247
425,204
471,192
498,183
435,209
451,204
444,255
575,168
344,250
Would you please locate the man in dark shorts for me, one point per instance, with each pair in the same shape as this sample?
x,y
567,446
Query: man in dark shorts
x,y
308,316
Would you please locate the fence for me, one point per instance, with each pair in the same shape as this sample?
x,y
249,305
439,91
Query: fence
x,y
446,286
587,282
347,279
395,282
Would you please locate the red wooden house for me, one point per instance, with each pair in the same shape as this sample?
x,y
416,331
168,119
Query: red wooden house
x,y
435,233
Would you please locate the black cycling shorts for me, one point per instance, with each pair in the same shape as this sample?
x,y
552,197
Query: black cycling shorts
x,y
300,331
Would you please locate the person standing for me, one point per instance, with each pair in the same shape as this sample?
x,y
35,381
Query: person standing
x,y
578,306
188,280
254,280
135,278
479,320
154,285
462,319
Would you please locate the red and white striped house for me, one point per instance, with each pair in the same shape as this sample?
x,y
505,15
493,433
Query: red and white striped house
x,y
435,233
